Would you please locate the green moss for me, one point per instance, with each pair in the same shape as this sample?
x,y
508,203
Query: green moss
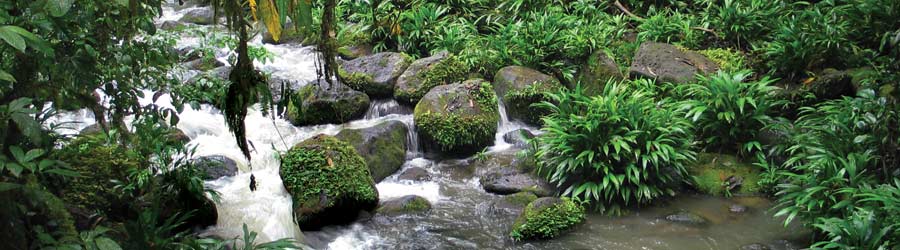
x,y
447,71
727,59
520,101
547,222
520,198
304,108
417,205
462,133
326,165
711,171
98,163
360,81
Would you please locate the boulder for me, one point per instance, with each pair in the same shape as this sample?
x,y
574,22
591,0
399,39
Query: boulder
x,y
328,182
203,64
667,63
458,118
518,137
509,180
280,86
409,204
383,146
599,70
216,166
718,174
415,174
514,203
375,74
547,218
318,103
519,87
831,84
424,74
687,218
202,16
755,246
737,208
172,25
289,35
354,51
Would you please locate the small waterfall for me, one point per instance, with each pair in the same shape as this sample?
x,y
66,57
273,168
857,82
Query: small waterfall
x,y
384,107
503,126
413,150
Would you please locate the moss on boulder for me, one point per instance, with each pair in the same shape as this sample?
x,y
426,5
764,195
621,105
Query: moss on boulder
x,y
383,146
426,73
668,63
404,205
328,182
318,103
375,74
547,218
728,60
715,173
458,118
519,87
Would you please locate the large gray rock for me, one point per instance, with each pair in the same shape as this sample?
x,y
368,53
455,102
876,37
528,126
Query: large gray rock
x,y
354,51
459,118
599,69
520,87
426,73
375,74
518,137
831,84
216,166
687,218
404,205
415,174
508,173
667,63
202,16
383,146
319,103
172,25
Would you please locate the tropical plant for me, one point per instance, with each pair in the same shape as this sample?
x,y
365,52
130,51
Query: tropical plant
x,y
735,20
671,27
861,230
728,109
619,148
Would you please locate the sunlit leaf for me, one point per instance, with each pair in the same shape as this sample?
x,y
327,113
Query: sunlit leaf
x,y
12,38
4,76
269,15
58,8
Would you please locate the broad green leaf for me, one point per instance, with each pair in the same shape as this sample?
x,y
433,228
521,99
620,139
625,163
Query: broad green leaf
x,y
58,8
18,154
123,3
6,186
29,127
33,154
4,76
104,243
12,38
15,168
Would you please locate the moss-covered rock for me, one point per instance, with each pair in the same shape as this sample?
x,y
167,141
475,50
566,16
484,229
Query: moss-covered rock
x,y
668,63
426,73
216,166
728,60
328,182
717,173
599,69
404,205
375,74
203,16
351,52
519,87
458,118
547,218
318,103
383,146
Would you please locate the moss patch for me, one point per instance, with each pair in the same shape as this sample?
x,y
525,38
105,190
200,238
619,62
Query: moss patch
x,y
462,133
447,71
520,198
711,171
360,81
728,60
325,173
545,221
519,102
306,108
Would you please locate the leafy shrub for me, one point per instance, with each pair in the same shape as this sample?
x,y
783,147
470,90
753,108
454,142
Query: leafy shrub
x,y
738,20
862,230
671,27
619,147
728,110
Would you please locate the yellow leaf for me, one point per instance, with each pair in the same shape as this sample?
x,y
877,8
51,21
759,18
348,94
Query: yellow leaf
x,y
270,16
253,9
808,80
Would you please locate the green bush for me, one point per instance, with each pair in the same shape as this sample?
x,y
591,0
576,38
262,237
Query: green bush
x,y
729,111
616,148
740,20
671,27
547,222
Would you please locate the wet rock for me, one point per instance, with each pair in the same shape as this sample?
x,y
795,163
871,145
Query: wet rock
x,y
383,146
202,16
513,203
415,174
332,167
755,246
319,103
459,118
547,218
375,74
831,84
203,64
599,69
216,166
355,51
280,86
426,73
737,208
518,137
687,218
502,182
519,87
91,129
385,107
172,25
667,63
404,205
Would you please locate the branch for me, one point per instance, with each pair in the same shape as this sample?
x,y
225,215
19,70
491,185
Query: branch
x,y
623,9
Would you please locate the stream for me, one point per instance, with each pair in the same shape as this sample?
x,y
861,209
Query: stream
x,y
463,215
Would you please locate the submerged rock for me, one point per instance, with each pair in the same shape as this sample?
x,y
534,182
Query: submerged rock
x,y
518,137
318,103
202,16
375,74
520,87
668,63
216,166
687,218
599,70
737,208
328,182
404,205
509,181
415,174
755,246
547,218
717,174
424,74
383,146
459,118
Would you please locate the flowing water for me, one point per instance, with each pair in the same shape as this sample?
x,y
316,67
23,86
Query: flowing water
x,y
463,216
